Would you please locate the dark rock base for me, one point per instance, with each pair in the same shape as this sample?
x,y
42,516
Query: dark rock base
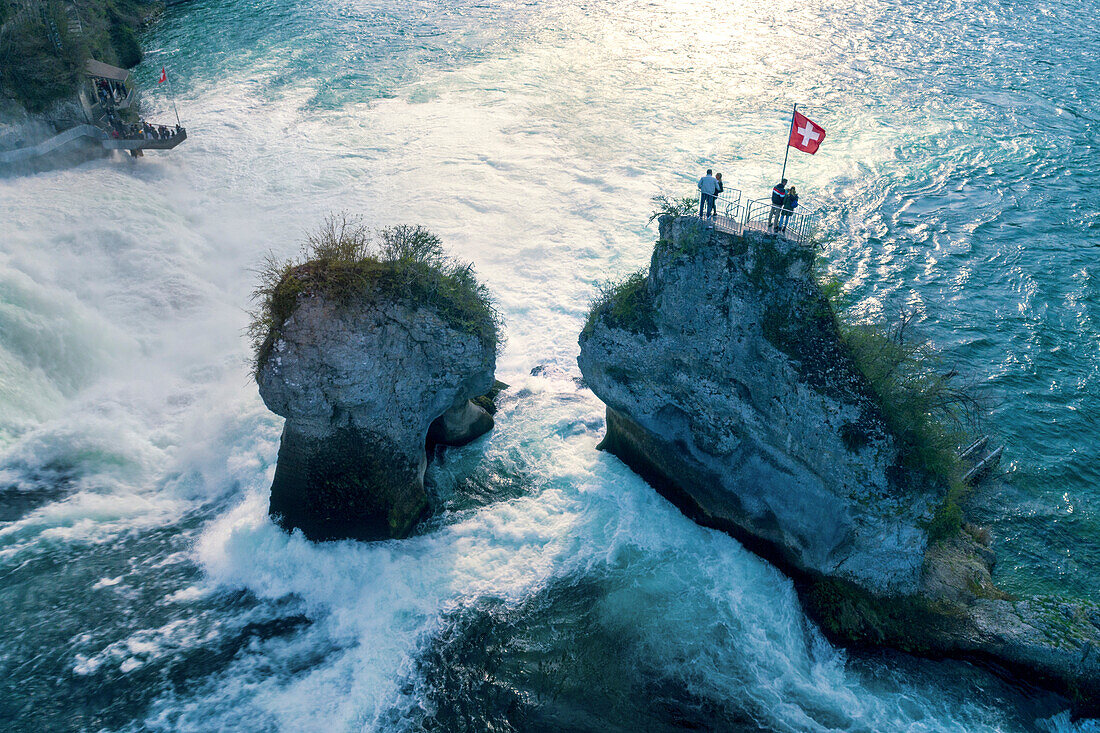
x,y
460,425
349,485
847,614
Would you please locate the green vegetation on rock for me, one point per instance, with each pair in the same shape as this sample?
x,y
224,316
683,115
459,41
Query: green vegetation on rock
x,y
124,40
346,261
668,206
43,45
626,304
926,409
948,519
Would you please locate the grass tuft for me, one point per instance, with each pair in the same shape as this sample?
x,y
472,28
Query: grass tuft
x,y
665,205
345,260
625,304
928,412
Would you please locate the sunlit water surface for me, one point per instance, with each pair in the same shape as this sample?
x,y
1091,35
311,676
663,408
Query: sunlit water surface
x,y
143,586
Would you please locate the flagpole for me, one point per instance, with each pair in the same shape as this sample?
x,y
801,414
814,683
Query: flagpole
x,y
783,175
172,96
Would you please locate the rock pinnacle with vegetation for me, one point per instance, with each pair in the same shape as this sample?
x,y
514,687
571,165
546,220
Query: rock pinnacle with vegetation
x,y
365,345
734,387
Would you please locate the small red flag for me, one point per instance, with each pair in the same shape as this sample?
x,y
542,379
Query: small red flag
x,y
163,76
806,135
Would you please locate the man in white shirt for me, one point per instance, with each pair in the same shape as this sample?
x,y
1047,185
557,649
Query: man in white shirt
x,y
708,189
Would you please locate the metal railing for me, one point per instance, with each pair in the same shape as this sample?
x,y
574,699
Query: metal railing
x,y
728,204
727,208
761,215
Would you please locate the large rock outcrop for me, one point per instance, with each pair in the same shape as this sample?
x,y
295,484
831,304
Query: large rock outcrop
x,y
729,389
361,382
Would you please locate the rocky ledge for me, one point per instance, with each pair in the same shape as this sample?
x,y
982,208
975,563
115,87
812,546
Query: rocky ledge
x,y
369,356
729,388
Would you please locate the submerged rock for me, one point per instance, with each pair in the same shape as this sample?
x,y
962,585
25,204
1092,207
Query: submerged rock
x,y
364,357
728,388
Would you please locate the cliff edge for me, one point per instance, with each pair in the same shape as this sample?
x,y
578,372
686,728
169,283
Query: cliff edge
x,y
729,388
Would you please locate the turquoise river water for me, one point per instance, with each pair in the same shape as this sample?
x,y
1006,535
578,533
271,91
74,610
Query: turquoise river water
x,y
143,586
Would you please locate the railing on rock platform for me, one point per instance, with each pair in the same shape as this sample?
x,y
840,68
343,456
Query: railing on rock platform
x,y
797,225
760,215
140,141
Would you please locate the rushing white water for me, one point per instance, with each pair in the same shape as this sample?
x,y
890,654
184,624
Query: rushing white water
x,y
137,455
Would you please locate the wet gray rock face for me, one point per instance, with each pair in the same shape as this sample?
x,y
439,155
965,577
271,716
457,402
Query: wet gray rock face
x,y
360,385
737,382
728,389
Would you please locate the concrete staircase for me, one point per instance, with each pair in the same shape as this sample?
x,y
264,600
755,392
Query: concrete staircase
x,y
76,28
75,137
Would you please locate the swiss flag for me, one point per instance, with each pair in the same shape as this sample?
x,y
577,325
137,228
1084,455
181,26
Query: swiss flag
x,y
163,76
806,135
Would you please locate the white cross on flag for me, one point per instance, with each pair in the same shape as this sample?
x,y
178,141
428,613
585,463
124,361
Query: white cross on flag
x,y
806,135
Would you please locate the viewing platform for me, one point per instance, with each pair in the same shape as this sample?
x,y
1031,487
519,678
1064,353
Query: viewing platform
x,y
135,142
735,215
112,122
144,144
90,136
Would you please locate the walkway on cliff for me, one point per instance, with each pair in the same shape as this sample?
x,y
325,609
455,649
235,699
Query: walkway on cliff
x,y
109,99
89,136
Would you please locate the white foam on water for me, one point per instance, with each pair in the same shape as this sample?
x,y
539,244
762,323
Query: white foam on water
x,y
697,605
126,286
1064,723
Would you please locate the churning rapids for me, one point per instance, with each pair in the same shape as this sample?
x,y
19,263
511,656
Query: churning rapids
x,y
143,585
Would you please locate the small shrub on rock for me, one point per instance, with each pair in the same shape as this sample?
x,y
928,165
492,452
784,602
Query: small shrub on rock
x,y
344,259
665,205
625,304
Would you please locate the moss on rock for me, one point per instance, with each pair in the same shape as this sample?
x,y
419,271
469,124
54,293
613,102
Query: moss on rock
x,y
488,401
912,624
346,261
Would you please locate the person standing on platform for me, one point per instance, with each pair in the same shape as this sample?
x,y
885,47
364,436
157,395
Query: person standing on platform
x,y
708,189
790,203
779,194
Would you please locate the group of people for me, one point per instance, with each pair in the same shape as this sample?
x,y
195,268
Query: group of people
x,y
140,130
154,132
110,91
784,201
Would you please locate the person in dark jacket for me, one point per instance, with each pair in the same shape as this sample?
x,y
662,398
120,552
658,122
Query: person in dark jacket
x,y
712,201
779,195
790,203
